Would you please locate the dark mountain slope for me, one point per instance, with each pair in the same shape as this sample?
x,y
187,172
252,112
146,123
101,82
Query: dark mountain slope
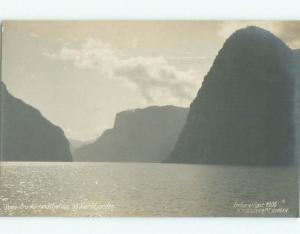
x,y
27,135
297,103
243,113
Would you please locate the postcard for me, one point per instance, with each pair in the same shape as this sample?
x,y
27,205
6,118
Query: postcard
x,y
150,118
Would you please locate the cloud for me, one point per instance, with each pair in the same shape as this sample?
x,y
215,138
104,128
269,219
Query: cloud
x,y
157,80
290,33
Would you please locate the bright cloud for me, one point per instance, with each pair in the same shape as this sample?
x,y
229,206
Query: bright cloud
x,y
157,80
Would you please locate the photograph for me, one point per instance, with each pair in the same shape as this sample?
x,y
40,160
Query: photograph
x,y
149,118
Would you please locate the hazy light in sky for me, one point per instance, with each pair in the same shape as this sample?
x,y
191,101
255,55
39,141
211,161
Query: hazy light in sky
x,y
80,74
155,78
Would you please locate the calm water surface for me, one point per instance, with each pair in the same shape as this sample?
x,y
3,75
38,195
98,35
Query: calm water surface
x,y
145,189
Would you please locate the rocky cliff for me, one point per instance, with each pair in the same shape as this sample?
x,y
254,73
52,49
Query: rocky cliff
x,y
141,135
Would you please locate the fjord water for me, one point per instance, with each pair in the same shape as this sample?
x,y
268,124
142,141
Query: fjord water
x,y
145,189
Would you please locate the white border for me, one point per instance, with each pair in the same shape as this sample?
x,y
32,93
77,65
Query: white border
x,y
149,225
149,9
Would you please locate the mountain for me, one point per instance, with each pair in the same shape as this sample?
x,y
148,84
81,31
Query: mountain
x,y
76,144
297,102
243,113
141,135
26,135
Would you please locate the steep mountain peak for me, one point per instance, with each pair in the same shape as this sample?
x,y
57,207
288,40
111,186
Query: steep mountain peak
x,y
243,113
248,51
253,35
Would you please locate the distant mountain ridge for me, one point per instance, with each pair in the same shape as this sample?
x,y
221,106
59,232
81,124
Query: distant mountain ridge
x,y
244,111
141,135
76,144
26,135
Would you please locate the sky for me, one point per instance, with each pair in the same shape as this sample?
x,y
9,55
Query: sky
x,y
80,74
